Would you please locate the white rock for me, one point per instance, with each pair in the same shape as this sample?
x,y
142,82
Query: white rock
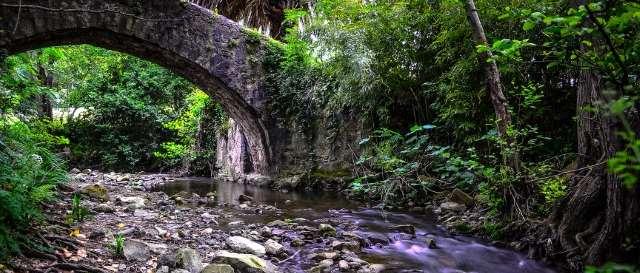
x,y
244,245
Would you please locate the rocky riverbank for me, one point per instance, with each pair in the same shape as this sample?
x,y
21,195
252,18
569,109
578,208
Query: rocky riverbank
x,y
181,233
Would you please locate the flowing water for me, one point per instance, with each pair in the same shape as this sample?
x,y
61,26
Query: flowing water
x,y
404,253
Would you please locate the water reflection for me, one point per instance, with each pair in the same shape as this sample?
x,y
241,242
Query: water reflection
x,y
404,253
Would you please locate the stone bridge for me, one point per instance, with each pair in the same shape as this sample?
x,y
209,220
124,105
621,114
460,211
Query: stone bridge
x,y
210,50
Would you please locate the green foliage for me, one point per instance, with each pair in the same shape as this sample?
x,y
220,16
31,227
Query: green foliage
x,y
397,167
78,211
117,112
626,163
612,268
495,231
29,172
552,188
118,245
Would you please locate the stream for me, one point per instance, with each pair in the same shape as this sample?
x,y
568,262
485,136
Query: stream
x,y
403,252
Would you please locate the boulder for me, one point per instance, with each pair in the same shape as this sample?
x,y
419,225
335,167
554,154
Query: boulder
x,y
188,259
245,198
452,206
136,250
96,191
244,245
218,268
461,197
244,263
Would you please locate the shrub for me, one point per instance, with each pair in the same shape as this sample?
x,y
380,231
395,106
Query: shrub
x,y
29,173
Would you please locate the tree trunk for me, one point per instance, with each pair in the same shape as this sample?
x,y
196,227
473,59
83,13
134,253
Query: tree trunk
x,y
43,101
598,219
494,85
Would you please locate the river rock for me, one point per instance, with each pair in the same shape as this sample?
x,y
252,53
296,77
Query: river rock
x,y
461,197
431,243
162,269
144,214
188,259
218,268
104,208
452,206
133,202
244,245
377,238
245,198
136,250
297,242
326,229
408,229
273,248
343,265
339,245
277,223
244,263
266,231
96,191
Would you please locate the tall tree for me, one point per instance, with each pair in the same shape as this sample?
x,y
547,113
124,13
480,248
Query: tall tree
x,y
494,85
599,213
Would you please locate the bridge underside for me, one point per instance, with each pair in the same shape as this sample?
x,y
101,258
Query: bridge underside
x,y
211,51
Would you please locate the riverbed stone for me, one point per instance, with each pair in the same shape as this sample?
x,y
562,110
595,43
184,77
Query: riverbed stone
x,y
277,223
452,206
188,259
218,268
343,265
136,250
273,248
377,238
104,208
326,229
132,202
96,191
244,263
408,229
244,245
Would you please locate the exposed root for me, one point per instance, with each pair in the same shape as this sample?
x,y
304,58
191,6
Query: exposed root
x,y
82,267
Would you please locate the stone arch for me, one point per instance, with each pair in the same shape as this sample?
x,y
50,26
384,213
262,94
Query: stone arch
x,y
210,50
